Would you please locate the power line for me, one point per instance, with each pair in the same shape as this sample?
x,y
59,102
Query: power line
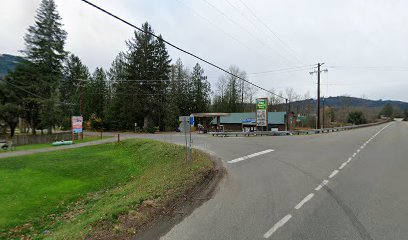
x,y
240,26
274,34
253,24
370,68
33,94
299,68
176,47
219,28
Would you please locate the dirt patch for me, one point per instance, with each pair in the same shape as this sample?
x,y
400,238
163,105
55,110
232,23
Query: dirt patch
x,y
154,218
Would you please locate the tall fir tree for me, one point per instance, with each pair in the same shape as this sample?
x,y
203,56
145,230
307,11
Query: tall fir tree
x,y
141,83
75,76
95,95
200,90
45,42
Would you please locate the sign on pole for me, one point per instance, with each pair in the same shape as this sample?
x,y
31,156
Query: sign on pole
x,y
185,127
77,124
262,112
192,120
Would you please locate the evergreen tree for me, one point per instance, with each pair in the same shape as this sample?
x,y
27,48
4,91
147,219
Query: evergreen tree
x,y
141,81
95,96
45,42
200,90
178,97
121,102
162,71
9,109
75,75
387,111
356,118
22,82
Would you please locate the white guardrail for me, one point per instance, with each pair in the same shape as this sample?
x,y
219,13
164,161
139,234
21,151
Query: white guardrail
x,y
295,132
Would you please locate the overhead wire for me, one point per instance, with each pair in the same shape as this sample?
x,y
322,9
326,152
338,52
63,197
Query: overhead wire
x,y
270,30
33,94
178,48
288,69
370,68
244,29
220,29
255,25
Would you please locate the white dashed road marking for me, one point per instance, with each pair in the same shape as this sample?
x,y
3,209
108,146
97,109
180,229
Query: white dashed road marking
x,y
305,200
320,186
343,165
333,173
277,226
250,156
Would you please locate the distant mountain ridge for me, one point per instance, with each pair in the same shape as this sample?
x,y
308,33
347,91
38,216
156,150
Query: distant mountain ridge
x,y
8,63
342,101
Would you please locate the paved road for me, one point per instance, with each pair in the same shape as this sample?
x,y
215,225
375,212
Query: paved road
x,y
345,185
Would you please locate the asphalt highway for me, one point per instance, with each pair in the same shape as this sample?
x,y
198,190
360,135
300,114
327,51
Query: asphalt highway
x,y
342,185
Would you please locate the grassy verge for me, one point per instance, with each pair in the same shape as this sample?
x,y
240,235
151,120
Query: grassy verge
x,y
67,194
46,145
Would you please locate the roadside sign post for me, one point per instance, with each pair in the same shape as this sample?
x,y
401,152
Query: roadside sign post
x,y
191,140
186,122
77,125
262,112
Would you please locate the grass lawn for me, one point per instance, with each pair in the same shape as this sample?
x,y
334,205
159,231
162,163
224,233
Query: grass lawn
x,y
64,193
46,145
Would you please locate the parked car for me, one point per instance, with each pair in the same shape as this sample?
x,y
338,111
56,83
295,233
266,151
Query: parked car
x,y
4,144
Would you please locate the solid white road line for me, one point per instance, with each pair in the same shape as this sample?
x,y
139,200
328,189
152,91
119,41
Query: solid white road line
x,y
349,159
250,156
277,226
333,173
318,187
304,200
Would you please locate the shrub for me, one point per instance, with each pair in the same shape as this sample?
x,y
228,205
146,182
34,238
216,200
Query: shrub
x,y
356,118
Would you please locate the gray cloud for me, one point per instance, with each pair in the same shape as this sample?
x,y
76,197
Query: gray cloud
x,y
344,34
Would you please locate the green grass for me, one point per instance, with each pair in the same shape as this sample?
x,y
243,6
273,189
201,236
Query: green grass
x,y
46,145
67,191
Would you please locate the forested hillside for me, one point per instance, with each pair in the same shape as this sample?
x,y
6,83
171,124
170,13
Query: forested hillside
x,y
8,63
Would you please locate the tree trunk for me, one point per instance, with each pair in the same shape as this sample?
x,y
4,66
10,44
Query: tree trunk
x,y
12,131
32,127
146,120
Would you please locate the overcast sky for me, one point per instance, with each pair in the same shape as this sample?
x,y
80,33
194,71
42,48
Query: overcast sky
x,y
364,44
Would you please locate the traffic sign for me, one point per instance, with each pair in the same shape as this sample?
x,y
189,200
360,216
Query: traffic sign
x,y
192,120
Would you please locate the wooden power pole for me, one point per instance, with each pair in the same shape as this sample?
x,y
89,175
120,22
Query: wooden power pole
x,y
318,95
318,126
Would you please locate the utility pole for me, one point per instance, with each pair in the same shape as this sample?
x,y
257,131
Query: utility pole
x,y
318,126
287,115
318,95
323,113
